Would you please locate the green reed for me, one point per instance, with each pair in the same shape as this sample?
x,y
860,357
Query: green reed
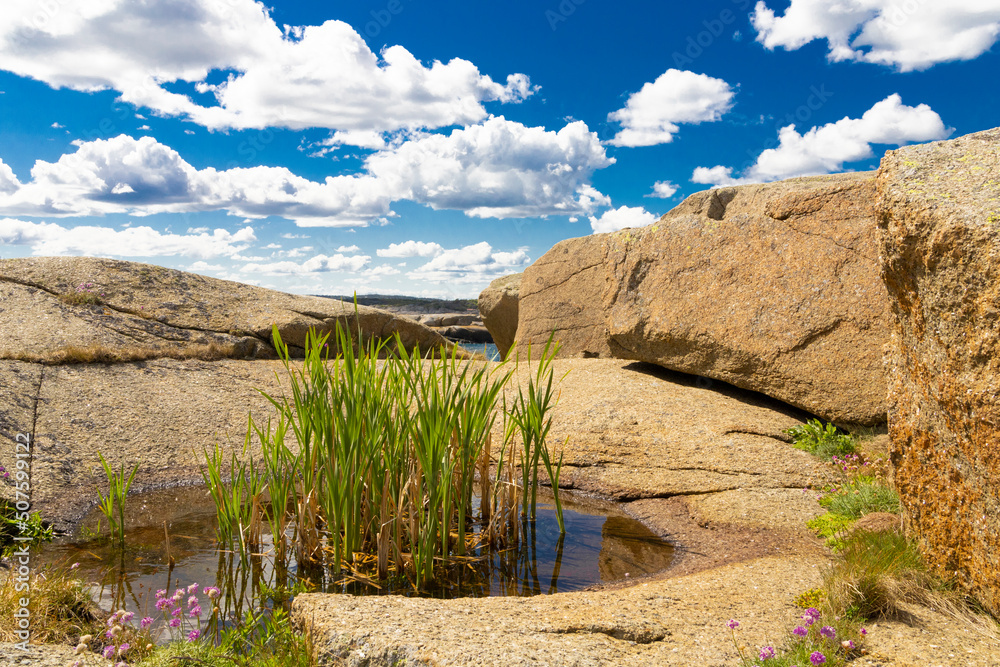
x,y
376,452
112,505
238,504
531,417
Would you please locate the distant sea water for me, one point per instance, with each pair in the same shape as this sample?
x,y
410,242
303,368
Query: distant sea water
x,y
489,349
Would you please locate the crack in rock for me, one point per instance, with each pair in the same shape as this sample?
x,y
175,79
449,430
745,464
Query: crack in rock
x,y
639,634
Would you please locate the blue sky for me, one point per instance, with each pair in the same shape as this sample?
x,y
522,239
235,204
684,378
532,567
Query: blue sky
x,y
417,147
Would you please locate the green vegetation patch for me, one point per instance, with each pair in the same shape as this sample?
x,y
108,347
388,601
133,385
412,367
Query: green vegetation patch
x,y
822,441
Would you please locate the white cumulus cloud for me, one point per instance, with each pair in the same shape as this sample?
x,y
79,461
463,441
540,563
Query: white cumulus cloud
x,y
651,116
496,169
411,249
622,218
46,238
904,34
499,168
316,264
825,149
477,263
159,55
663,190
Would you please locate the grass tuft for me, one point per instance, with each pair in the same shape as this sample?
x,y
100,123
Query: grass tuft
x,y
61,609
860,496
875,573
102,354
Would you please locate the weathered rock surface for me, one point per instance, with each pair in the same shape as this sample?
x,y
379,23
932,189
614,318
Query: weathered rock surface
x,y
679,621
151,306
471,334
634,430
562,294
160,414
657,621
773,288
939,208
449,320
498,305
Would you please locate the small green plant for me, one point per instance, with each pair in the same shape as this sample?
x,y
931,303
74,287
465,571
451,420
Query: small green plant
x,y
112,504
814,597
830,527
819,440
848,502
531,417
21,525
257,639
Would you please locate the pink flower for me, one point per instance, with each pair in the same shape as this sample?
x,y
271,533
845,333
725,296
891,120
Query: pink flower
x,y
145,623
800,631
175,622
767,653
109,651
194,634
733,624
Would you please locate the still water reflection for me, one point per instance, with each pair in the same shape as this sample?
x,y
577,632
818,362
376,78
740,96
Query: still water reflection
x,y
601,544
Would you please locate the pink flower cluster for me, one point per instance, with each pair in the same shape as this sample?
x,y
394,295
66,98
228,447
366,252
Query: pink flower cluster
x,y
824,638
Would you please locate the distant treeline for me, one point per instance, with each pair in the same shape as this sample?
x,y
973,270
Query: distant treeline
x,y
414,302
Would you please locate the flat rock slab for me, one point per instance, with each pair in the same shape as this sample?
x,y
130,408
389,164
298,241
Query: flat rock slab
x,y
634,430
679,621
629,433
141,305
160,414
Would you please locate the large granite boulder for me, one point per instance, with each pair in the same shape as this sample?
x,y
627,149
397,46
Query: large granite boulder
x,y
773,288
498,308
939,208
126,306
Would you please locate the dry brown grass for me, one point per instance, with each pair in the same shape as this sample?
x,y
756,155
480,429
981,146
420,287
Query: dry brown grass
x,y
61,610
81,299
100,354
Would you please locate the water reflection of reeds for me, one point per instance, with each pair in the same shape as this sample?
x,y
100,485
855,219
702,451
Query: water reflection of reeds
x,y
600,545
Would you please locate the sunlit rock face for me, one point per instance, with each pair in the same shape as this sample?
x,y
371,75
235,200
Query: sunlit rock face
x,y
773,288
939,210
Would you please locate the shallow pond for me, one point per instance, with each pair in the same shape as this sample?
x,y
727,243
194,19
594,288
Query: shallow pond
x,y
601,544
